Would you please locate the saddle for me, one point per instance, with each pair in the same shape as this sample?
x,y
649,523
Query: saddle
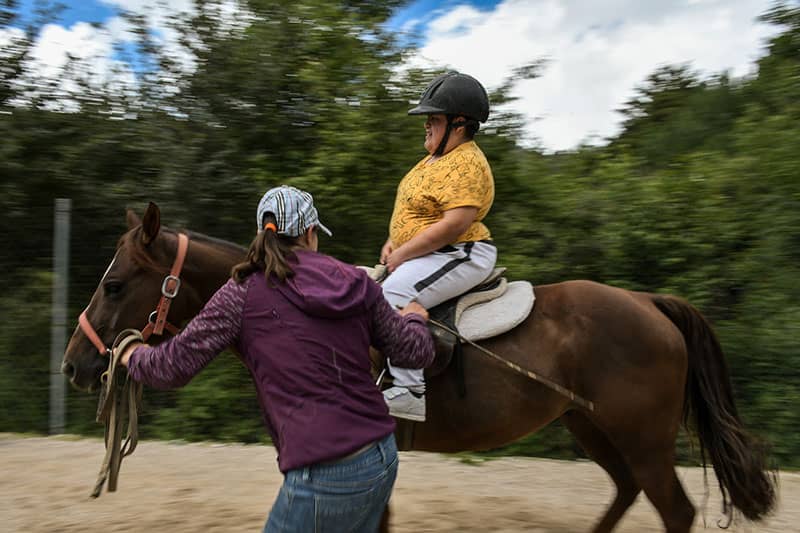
x,y
489,309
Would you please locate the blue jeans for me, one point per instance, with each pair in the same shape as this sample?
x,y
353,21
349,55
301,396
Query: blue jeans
x,y
349,495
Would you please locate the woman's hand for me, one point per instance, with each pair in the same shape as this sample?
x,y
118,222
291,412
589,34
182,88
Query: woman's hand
x,y
417,309
126,355
386,251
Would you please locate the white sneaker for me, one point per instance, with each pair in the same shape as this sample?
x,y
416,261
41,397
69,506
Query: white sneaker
x,y
403,404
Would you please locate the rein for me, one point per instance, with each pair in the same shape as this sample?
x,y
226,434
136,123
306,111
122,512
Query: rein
x,y
380,273
515,367
120,396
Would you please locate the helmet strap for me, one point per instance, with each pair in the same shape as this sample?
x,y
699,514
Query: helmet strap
x,y
440,149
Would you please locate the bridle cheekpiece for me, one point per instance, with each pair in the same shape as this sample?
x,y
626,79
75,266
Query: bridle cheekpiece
x,y
157,320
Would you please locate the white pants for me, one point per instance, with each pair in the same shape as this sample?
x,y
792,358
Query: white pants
x,y
435,278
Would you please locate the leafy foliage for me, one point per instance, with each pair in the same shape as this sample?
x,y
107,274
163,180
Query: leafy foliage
x,y
699,195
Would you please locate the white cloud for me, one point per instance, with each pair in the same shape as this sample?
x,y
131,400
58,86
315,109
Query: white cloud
x,y
62,59
158,12
160,16
92,51
120,30
8,35
410,26
82,41
597,53
456,20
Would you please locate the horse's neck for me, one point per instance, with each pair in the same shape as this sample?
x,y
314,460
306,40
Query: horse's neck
x,y
208,265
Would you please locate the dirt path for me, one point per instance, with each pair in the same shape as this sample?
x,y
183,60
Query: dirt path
x,y
179,488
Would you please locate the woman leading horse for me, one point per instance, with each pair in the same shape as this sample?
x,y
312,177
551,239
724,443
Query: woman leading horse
x,y
648,362
303,324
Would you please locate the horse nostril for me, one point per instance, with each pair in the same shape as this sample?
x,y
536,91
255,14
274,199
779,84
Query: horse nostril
x,y
68,370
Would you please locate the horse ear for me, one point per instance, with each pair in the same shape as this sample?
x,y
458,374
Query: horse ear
x,y
132,219
151,223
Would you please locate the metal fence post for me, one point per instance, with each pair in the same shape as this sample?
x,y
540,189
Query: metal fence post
x,y
58,328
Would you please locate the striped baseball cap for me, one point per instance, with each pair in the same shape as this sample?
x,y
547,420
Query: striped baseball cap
x,y
293,209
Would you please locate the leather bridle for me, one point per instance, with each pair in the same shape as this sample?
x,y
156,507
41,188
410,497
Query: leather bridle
x,y
157,321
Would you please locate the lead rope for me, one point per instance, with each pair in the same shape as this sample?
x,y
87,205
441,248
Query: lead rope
x,y
119,396
513,366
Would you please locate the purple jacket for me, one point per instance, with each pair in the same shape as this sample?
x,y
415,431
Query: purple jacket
x,y
306,344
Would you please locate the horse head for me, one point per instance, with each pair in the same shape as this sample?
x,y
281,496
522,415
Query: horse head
x,y
126,296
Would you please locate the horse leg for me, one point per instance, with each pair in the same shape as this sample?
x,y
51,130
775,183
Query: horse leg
x,y
655,473
597,446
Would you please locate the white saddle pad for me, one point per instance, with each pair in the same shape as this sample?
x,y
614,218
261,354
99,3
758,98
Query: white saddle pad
x,y
489,319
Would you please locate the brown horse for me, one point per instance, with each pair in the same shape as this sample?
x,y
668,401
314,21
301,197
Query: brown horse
x,y
648,362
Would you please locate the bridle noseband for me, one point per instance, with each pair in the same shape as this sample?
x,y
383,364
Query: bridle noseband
x,y
157,321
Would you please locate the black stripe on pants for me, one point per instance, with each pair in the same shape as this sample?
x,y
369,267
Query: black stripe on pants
x,y
447,267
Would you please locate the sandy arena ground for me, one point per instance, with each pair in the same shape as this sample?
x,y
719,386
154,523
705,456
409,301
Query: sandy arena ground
x,y
45,486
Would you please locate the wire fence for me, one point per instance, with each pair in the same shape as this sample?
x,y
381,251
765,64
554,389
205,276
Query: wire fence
x,y
39,321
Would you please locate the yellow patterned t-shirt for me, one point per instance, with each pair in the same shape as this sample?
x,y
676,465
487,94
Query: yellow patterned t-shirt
x,y
460,178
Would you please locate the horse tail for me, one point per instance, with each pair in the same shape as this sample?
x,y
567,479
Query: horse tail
x,y
739,460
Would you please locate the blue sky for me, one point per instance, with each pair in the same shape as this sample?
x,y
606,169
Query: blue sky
x,y
416,15
419,11
411,20
75,11
596,52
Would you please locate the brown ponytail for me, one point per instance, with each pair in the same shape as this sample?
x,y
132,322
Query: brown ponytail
x,y
269,253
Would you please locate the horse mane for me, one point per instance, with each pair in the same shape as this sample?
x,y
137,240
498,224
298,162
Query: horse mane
x,y
215,242
142,257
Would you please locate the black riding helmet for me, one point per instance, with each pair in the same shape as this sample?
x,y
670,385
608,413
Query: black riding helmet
x,y
454,94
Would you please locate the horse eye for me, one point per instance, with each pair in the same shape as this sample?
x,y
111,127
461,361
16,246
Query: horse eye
x,y
113,288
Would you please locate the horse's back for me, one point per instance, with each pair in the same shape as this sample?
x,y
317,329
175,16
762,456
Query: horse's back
x,y
598,341
611,344
608,311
